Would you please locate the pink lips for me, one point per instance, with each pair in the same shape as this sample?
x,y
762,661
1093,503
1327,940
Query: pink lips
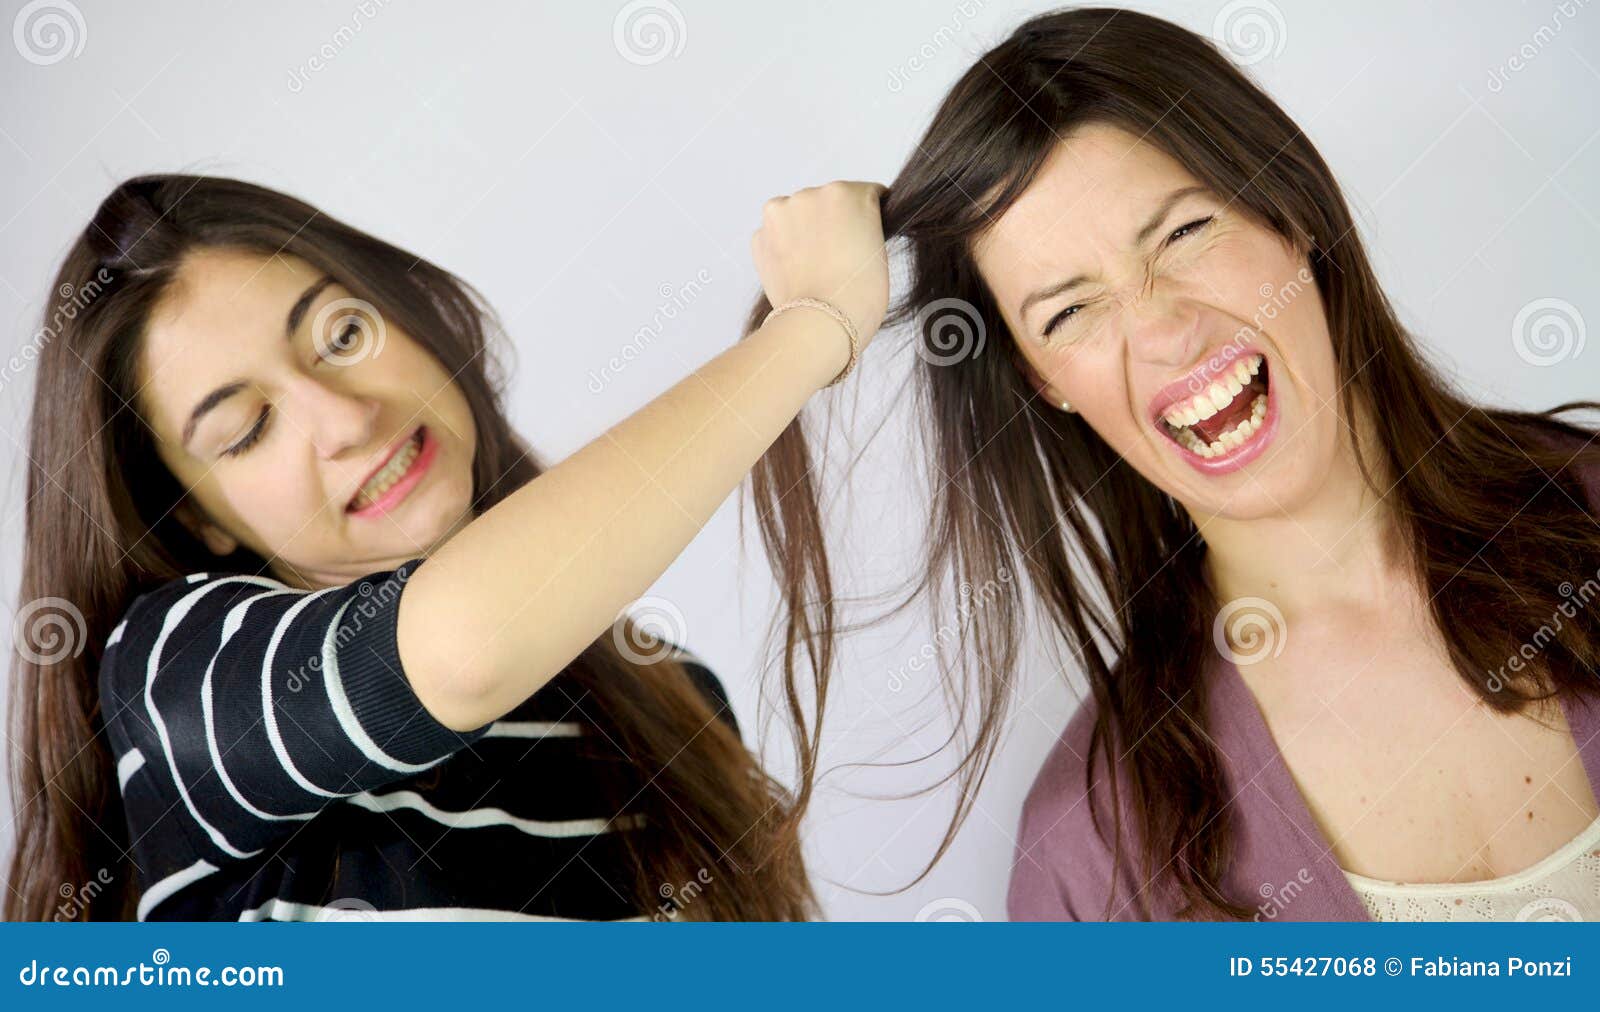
x,y
408,481
1216,367
1242,454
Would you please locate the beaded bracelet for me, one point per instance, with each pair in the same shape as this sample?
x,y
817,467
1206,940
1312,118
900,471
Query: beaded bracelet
x,y
843,321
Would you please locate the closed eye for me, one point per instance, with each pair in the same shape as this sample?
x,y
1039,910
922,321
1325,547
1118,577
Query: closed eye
x,y
252,437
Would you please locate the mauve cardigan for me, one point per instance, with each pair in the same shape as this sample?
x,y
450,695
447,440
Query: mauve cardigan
x,y
1282,864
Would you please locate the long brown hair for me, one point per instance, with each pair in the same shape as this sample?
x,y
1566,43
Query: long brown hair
x,y
1487,502
101,530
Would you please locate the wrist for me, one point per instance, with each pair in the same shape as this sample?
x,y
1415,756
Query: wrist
x,y
825,330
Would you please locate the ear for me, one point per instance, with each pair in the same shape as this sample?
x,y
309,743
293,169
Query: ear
x,y
219,541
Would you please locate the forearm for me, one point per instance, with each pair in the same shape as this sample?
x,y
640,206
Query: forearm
x,y
519,592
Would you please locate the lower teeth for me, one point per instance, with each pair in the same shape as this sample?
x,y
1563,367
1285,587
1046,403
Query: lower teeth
x,y
1233,438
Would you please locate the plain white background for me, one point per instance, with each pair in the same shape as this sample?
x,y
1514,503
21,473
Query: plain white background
x,y
597,171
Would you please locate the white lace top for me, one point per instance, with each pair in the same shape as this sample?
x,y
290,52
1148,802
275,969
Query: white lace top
x,y
1563,887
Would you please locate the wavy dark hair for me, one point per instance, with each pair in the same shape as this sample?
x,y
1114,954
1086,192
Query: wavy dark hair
x,y
102,529
1486,502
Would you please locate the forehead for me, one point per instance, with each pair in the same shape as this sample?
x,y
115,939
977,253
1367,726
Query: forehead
x,y
224,309
1094,190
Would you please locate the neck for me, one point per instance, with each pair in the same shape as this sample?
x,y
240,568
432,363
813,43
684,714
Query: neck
x,y
1332,550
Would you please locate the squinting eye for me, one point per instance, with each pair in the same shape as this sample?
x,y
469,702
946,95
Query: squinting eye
x,y
1184,230
1061,317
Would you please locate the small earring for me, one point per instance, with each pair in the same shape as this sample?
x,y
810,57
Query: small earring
x,y
1066,407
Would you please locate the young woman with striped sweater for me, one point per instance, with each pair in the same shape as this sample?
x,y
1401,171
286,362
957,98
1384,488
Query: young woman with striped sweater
x,y
334,641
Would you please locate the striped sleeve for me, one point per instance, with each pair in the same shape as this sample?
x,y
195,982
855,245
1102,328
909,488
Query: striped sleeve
x,y
250,705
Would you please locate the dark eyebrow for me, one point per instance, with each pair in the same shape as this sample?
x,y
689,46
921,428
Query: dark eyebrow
x,y
297,313
1150,225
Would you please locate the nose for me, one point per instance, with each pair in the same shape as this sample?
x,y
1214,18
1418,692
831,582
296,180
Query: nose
x,y
337,421
1161,327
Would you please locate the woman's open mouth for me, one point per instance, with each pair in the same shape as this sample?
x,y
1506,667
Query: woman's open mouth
x,y
1229,422
394,480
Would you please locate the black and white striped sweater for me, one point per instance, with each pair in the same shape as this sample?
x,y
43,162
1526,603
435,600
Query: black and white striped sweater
x,y
275,764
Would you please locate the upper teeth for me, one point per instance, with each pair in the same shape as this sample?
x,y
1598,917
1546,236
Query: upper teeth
x,y
390,473
1215,397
